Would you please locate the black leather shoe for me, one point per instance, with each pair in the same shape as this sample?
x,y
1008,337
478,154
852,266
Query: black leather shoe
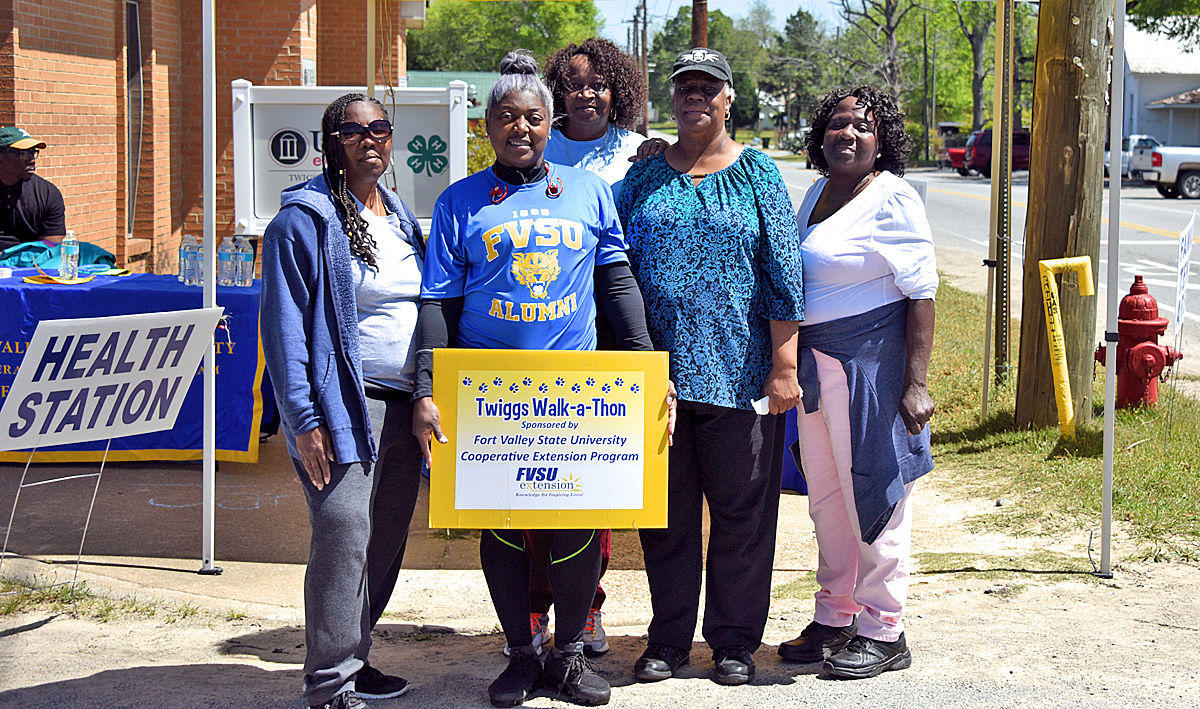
x,y
734,665
817,642
864,657
568,669
518,680
659,662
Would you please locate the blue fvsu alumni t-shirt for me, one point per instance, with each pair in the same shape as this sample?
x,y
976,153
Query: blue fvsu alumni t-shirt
x,y
523,266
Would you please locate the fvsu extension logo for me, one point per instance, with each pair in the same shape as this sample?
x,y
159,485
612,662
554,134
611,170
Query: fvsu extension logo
x,y
547,480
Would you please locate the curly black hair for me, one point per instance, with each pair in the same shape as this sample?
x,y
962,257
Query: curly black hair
x,y
894,144
617,68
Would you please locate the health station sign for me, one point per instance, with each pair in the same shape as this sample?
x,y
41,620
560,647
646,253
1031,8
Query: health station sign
x,y
550,439
89,379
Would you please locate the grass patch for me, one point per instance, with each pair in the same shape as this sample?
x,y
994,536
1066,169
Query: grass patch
x,y
1049,484
800,588
20,597
1043,565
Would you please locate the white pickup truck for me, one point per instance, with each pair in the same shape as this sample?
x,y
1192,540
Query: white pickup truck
x,y
1175,172
1128,145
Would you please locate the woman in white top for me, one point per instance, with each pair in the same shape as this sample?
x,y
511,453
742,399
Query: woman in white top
x,y
342,267
869,283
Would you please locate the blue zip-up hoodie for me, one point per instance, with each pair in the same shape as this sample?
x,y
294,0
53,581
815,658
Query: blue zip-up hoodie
x,y
309,319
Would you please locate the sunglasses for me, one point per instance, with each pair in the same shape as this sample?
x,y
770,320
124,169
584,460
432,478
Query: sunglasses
x,y
25,153
597,87
706,90
352,132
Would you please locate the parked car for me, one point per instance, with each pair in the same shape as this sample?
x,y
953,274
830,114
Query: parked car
x,y
1174,171
956,154
953,141
978,156
1128,145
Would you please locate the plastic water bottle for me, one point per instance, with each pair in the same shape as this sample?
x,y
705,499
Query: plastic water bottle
x,y
226,266
244,254
69,259
198,257
186,246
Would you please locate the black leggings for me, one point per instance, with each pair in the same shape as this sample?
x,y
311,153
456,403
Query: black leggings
x,y
574,573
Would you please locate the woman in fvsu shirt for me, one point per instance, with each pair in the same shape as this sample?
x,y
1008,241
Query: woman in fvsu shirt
x,y
518,255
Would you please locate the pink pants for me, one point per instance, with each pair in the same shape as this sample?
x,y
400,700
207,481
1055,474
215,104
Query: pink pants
x,y
854,578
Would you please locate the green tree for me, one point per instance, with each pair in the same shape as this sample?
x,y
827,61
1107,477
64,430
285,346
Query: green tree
x,y
872,42
474,36
1177,19
800,71
975,21
747,57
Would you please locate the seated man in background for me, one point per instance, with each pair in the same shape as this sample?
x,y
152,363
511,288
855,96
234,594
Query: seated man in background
x,y
31,208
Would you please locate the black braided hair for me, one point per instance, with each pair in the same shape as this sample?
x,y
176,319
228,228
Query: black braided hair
x,y
618,69
894,143
362,244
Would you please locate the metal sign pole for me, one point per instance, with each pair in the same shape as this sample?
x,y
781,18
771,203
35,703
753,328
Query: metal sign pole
x,y
209,439
1001,209
1116,130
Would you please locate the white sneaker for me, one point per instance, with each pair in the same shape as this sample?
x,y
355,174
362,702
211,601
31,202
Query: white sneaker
x,y
595,642
539,628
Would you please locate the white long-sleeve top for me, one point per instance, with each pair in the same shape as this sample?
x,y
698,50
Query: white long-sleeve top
x,y
875,250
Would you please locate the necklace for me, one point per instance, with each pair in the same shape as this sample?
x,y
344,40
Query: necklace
x,y
554,187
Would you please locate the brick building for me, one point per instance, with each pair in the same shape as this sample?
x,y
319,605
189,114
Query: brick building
x,y
114,88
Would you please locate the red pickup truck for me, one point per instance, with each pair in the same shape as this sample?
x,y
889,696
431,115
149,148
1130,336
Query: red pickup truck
x,y
978,155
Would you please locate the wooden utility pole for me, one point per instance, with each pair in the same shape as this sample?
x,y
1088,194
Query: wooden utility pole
x,y
699,23
645,129
1066,171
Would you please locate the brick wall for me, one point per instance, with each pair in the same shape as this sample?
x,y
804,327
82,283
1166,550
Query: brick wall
x,y
342,52
67,89
63,77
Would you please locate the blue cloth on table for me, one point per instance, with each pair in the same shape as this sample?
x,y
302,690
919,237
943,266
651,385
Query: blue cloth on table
x,y
23,305
872,348
44,255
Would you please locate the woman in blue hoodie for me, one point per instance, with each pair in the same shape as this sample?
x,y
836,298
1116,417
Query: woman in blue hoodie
x,y
342,265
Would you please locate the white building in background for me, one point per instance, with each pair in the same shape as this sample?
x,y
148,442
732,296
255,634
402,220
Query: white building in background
x,y
1162,88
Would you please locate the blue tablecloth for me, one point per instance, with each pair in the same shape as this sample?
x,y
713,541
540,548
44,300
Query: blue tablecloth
x,y
239,361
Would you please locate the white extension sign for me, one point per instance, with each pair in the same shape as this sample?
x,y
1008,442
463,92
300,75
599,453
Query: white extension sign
x,y
1185,260
95,378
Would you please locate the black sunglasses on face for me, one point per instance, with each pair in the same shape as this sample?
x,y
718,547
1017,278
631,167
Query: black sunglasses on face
x,y
25,153
597,87
352,132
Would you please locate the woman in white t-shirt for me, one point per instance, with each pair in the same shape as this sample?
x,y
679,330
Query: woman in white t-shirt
x,y
869,283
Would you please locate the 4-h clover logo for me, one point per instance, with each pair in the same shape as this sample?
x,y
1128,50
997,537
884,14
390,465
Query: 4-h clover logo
x,y
428,156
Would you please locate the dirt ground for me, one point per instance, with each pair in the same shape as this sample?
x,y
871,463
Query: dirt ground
x,y
993,620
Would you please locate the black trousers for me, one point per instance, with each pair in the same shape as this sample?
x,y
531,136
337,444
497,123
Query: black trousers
x,y
732,459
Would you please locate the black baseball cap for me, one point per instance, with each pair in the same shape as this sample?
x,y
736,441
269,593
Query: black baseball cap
x,y
709,61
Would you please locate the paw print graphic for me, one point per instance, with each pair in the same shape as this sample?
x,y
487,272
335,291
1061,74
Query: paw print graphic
x,y
560,381
483,386
590,382
634,388
498,381
620,382
543,388
466,381
514,388
575,388
527,381
606,388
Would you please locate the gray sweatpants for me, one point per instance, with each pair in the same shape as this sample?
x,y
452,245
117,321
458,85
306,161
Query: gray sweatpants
x,y
338,609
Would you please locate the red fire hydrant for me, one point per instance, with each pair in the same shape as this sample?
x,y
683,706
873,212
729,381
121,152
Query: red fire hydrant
x,y
1140,359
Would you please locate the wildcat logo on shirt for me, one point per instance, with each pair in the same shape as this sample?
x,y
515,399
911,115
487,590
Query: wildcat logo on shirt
x,y
536,270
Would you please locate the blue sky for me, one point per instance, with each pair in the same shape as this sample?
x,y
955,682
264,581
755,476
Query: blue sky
x,y
616,11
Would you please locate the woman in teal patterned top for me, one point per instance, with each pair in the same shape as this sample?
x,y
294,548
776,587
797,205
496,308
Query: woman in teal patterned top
x,y
714,246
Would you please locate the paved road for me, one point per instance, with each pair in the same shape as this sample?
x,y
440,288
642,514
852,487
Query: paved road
x,y
958,214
